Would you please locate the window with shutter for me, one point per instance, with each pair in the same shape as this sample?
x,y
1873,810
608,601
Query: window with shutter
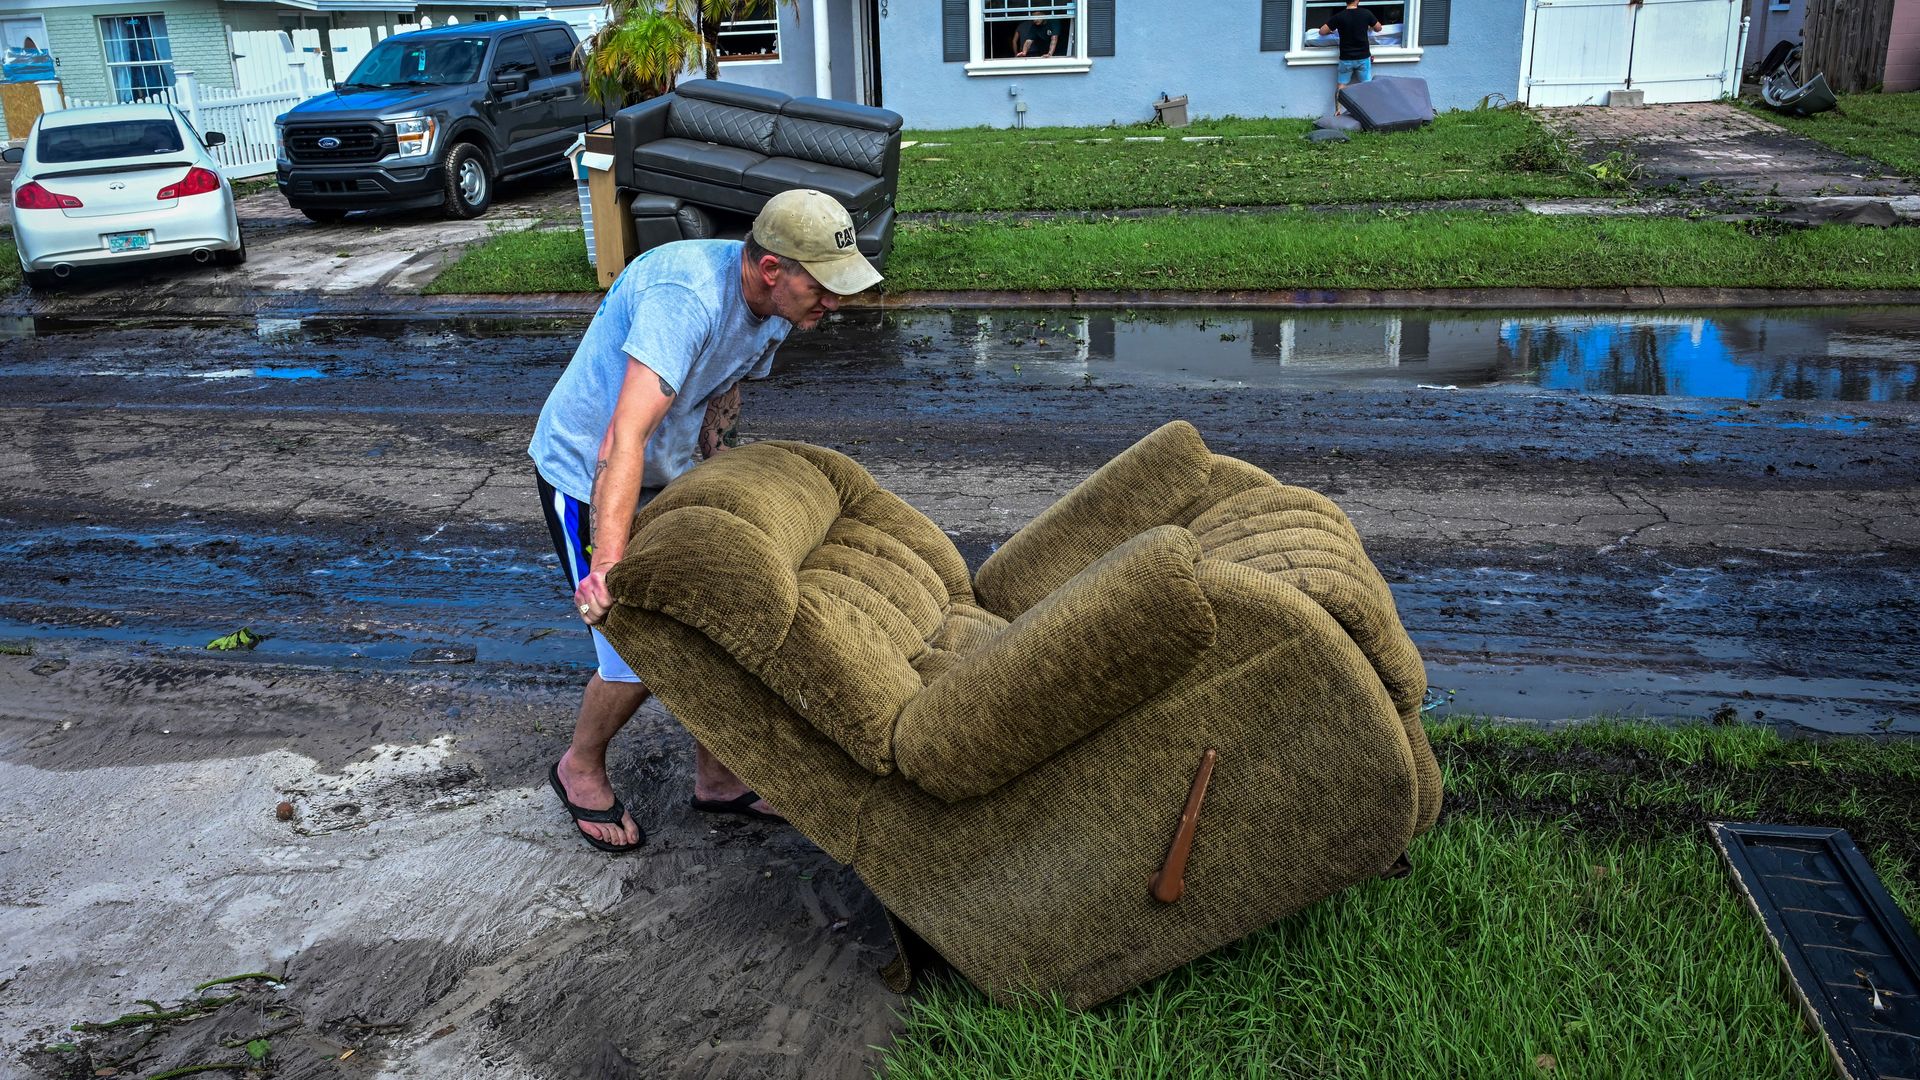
x,y
1006,37
1294,25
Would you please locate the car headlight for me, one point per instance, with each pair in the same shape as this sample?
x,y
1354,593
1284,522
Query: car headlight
x,y
279,139
415,135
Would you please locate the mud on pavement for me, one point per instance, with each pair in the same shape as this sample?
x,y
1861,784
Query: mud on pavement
x,y
358,491
425,905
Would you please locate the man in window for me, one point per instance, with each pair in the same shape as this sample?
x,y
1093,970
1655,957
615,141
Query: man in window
x,y
1356,52
1031,35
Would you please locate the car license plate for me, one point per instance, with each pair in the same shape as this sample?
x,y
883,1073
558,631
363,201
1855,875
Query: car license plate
x,y
128,241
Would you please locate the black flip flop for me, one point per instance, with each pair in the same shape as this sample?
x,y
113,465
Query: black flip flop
x,y
610,816
739,804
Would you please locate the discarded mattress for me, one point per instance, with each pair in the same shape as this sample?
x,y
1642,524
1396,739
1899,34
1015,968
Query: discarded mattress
x,y
1337,122
1327,135
1021,763
1389,104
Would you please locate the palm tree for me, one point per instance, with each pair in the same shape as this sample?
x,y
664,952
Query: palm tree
x,y
649,44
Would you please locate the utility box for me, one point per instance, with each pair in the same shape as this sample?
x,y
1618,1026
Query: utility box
x,y
1171,111
610,238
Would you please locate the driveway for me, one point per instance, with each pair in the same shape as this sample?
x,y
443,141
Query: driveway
x,y
399,251
1714,145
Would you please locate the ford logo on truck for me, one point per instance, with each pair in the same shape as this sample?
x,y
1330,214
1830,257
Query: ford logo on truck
x,y
328,143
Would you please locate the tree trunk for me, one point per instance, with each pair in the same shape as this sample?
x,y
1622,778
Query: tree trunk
x,y
710,33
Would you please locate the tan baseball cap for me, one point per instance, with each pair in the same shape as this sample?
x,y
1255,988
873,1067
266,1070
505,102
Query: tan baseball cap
x,y
812,228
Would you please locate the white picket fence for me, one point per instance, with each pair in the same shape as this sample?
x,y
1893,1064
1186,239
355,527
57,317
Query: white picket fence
x,y
244,117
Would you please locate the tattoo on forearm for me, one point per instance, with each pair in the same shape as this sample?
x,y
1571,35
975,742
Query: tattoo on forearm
x,y
666,388
593,506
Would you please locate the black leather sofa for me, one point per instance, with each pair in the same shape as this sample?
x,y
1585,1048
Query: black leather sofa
x,y
718,146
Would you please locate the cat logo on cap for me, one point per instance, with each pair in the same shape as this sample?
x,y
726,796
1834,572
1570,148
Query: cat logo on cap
x,y
843,238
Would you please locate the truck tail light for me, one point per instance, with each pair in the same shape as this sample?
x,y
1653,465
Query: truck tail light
x,y
31,196
198,181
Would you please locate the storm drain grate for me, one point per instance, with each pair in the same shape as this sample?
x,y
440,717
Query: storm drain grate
x,y
1850,954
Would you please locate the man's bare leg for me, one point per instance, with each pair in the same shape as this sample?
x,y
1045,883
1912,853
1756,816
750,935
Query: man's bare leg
x,y
715,782
604,710
1337,87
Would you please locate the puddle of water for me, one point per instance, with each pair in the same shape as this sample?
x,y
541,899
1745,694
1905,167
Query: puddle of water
x,y
345,607
1751,355
1805,355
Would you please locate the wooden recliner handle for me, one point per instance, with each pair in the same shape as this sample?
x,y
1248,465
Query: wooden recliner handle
x,y
1169,882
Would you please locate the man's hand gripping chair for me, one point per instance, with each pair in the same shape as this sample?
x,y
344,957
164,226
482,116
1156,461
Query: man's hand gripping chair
x,y
1014,764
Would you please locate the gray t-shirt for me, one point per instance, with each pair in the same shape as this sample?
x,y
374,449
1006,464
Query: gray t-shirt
x,y
679,310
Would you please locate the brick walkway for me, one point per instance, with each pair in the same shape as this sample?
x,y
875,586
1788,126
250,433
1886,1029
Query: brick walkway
x,y
1724,145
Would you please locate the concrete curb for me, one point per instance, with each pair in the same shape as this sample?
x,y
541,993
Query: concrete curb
x,y
1464,299
391,305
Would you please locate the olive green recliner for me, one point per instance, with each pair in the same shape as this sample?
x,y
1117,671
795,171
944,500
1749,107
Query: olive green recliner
x,y
1004,761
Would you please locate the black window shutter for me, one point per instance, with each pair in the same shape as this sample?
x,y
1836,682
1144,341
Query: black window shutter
x,y
1276,25
1099,27
1435,15
953,20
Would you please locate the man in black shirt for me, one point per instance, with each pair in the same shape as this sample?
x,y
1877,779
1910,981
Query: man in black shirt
x,y
1356,53
1031,35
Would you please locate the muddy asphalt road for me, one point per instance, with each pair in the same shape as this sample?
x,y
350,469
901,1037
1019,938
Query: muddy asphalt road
x,y
358,491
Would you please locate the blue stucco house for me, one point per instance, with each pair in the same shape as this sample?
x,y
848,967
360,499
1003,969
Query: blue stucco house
x,y
957,63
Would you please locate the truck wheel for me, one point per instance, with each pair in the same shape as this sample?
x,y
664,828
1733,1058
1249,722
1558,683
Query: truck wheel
x,y
469,186
325,215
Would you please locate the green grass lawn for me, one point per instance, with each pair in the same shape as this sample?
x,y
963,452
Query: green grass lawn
x,y
9,264
1880,127
1487,153
1568,918
1395,250
1306,250
522,262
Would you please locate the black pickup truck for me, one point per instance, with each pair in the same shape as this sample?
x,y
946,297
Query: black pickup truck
x,y
437,117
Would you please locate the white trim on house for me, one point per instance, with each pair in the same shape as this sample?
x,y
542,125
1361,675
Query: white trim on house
x,y
1058,65
370,6
1298,55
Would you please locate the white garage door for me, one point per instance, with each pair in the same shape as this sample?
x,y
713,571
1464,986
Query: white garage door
x,y
1673,50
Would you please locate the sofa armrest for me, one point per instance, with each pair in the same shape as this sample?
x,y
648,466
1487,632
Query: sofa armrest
x,y
890,168
635,126
1150,483
1118,633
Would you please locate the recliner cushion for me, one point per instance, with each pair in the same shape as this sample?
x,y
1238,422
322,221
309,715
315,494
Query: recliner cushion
x,y
728,125
697,160
1119,632
777,174
826,587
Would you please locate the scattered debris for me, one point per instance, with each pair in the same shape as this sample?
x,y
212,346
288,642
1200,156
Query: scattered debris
x,y
284,811
444,654
243,638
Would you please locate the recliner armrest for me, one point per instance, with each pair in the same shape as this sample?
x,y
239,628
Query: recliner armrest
x,y
1118,633
1151,483
635,126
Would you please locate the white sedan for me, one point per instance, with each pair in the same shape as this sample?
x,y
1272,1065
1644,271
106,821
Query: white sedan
x,y
115,183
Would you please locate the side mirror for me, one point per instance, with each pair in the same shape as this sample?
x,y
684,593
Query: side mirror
x,y
13,155
215,138
514,82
